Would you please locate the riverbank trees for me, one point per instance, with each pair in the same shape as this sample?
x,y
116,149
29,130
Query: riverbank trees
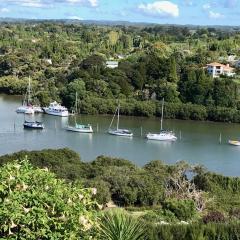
x,y
155,62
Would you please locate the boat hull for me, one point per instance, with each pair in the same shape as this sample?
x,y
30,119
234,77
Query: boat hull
x,y
25,110
234,143
120,133
161,137
60,114
37,109
33,125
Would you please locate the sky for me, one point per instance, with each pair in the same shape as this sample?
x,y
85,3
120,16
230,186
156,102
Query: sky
x,y
197,12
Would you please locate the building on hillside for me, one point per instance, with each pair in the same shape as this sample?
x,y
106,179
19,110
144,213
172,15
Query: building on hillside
x,y
111,64
216,69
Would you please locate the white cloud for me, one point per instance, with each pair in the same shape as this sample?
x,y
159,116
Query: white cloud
x,y
215,15
92,3
4,10
160,9
32,4
75,18
206,6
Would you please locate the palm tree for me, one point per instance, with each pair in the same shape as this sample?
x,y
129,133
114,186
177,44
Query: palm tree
x,y
119,225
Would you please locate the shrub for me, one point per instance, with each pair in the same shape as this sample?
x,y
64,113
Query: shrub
x,y
183,209
118,225
37,205
215,216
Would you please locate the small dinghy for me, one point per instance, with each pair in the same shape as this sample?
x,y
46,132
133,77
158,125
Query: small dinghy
x,y
33,125
234,142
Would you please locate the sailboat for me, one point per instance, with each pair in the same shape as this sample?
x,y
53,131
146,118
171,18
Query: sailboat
x,y
81,128
118,131
163,135
26,107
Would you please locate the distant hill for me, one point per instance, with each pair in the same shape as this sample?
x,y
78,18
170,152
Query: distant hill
x,y
115,23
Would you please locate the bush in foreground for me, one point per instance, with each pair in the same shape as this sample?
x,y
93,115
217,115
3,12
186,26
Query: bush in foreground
x,y
37,205
118,225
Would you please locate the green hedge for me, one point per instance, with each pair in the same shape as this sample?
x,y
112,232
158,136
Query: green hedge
x,y
229,231
132,107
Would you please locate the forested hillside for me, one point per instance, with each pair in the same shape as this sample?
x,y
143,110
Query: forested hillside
x,y
155,62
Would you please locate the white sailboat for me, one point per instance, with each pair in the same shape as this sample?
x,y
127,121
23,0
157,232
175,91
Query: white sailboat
x,y
118,131
26,107
234,142
81,128
163,135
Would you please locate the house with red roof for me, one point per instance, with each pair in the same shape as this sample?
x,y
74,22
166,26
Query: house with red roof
x,y
216,69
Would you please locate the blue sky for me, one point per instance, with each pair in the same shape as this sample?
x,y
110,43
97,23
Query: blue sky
x,y
201,12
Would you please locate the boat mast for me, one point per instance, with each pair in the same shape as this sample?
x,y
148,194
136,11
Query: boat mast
x,y
118,116
76,103
29,91
162,114
76,108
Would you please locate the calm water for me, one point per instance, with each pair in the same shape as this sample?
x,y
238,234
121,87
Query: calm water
x,y
199,143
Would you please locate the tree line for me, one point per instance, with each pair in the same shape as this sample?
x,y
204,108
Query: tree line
x,y
154,63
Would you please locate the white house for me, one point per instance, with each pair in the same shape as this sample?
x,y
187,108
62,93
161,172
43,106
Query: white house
x,y
111,64
216,69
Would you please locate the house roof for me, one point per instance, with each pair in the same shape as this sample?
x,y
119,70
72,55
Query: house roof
x,y
225,67
214,64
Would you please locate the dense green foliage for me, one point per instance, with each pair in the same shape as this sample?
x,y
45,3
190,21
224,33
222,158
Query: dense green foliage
x,y
154,62
155,184
37,205
195,232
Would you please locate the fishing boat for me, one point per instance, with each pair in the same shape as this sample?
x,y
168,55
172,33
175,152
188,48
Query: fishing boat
x,y
33,125
118,131
56,109
81,128
234,142
163,135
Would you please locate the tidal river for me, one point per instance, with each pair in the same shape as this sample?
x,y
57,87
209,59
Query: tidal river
x,y
198,142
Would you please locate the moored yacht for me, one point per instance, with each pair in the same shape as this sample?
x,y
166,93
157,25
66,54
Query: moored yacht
x,y
27,106
25,109
56,110
234,142
33,125
121,132
163,135
80,128
118,131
